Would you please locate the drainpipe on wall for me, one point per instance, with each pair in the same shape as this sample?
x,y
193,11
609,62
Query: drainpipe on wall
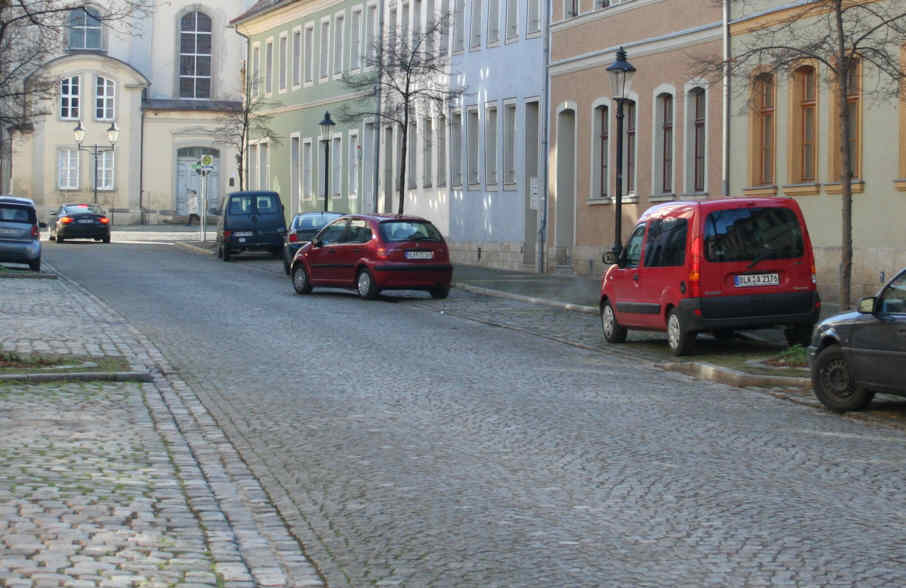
x,y
725,156
542,227
378,127
141,163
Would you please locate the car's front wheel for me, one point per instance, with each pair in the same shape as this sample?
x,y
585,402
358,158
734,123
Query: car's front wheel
x,y
834,384
300,280
612,330
440,293
680,340
365,285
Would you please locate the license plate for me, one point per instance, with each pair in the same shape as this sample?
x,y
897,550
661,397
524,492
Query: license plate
x,y
86,220
744,280
242,239
419,255
243,234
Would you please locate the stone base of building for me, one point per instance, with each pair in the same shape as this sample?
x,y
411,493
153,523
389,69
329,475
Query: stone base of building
x,y
872,267
509,256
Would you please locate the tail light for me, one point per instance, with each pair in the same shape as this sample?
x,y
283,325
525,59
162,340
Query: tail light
x,y
814,274
66,220
104,220
226,235
293,237
381,253
695,273
35,233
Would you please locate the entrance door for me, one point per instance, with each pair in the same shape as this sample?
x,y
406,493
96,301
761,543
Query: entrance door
x,y
566,183
187,179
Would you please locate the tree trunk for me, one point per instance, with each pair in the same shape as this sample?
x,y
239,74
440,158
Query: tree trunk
x,y
846,171
404,136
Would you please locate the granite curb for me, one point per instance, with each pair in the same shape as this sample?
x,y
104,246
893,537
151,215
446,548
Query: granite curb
x,y
194,248
530,299
28,276
707,371
79,377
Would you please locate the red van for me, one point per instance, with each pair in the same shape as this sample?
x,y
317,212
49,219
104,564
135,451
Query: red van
x,y
713,266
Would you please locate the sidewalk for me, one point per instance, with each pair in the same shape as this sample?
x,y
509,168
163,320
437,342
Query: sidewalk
x,y
122,483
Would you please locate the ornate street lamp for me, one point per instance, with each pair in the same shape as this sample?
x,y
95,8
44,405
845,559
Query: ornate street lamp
x,y
113,135
621,72
326,126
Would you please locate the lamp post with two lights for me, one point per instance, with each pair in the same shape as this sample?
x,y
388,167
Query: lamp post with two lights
x,y
113,134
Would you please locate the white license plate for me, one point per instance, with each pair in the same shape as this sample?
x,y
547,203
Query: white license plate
x,y
243,234
242,239
744,280
86,220
419,255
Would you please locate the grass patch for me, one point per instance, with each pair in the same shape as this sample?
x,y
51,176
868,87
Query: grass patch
x,y
17,363
796,356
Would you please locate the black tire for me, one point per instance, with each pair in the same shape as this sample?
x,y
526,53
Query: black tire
x,y
52,237
799,334
680,340
226,253
364,285
300,280
275,253
440,293
219,252
833,382
35,265
107,239
59,239
611,329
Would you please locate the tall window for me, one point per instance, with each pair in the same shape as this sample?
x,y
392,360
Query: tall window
x,y
698,139
68,169
441,127
336,166
533,18
355,40
804,131
84,29
459,17
294,184
269,67
490,146
509,144
105,92
416,18
355,157
252,174
284,62
195,55
69,98
427,152
412,139
476,24
264,168
629,111
404,23
602,152
664,147
371,34
325,49
512,19
307,183
456,150
853,103
764,129
309,56
105,170
445,27
339,32
493,21
472,130
256,70
571,8
297,58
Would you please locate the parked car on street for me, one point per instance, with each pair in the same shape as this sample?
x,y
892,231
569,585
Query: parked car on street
x,y
371,253
20,232
714,266
855,354
80,221
251,221
303,227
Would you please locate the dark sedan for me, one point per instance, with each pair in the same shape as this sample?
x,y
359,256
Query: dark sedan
x,y
80,221
304,226
855,354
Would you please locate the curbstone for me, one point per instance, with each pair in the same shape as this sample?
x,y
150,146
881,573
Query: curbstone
x,y
79,376
28,276
193,248
707,371
530,299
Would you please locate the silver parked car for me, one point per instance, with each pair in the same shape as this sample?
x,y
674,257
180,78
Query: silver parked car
x,y
20,236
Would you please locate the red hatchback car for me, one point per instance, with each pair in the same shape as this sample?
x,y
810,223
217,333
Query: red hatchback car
x,y
370,253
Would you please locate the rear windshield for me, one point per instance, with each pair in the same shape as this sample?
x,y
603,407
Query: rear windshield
x,y
248,203
747,234
83,209
395,231
16,214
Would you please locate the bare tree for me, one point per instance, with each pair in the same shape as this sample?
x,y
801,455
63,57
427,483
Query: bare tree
x,y
251,120
840,35
411,70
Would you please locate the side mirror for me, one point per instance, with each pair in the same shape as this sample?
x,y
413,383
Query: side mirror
x,y
52,212
610,257
316,242
867,305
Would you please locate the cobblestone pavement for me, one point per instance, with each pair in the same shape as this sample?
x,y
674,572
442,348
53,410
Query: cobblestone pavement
x,y
122,484
411,442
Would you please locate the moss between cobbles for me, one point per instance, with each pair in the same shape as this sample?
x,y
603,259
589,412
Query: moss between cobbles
x,y
16,363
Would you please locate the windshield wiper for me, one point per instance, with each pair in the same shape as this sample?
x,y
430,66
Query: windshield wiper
x,y
760,258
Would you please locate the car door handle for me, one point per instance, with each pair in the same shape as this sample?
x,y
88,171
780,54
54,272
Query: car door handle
x,y
635,277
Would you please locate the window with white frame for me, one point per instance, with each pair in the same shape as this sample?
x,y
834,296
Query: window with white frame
x,y
509,144
195,49
371,34
336,166
324,70
309,54
105,164
323,149
600,152
571,8
411,159
427,152
393,25
431,38
256,70
472,130
441,127
284,62
294,164
459,22
416,18
307,163
264,167
443,21
68,169
355,157
252,159
493,21
629,145
355,40
297,58
490,146
663,145
69,98
475,41
404,23
339,34
84,28
512,19
533,16
696,117
269,67
456,149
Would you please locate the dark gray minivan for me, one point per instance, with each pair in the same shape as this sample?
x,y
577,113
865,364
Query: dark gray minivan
x,y
251,221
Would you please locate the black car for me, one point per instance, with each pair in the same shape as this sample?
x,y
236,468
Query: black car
x,y
80,221
855,354
251,221
303,227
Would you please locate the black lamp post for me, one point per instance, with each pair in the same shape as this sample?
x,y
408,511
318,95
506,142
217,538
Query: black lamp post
x,y
113,133
621,72
326,125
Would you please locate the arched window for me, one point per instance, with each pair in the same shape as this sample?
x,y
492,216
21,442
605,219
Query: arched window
x,y
629,111
664,146
697,138
195,55
763,89
803,133
84,29
601,152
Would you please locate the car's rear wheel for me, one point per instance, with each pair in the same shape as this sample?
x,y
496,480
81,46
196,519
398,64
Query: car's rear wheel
x,y
440,293
834,384
35,265
285,264
59,239
365,285
225,253
107,239
799,334
680,340
300,280
612,330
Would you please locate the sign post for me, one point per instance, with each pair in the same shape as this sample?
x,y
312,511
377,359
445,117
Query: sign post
x,y
203,167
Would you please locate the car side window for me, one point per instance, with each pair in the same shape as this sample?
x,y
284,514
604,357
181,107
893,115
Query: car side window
x,y
359,231
665,245
893,298
334,233
633,251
